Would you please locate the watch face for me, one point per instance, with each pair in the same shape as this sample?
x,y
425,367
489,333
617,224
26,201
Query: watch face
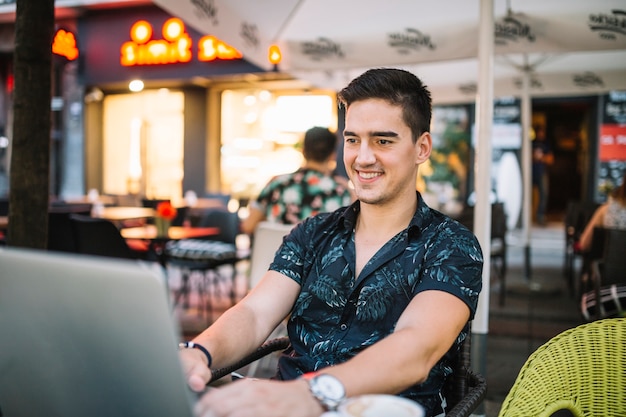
x,y
329,386
328,389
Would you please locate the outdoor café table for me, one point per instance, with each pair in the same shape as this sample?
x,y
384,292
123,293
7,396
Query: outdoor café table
x,y
149,233
119,213
106,200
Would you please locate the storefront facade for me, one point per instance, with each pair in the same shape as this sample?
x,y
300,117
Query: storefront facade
x,y
200,124
154,142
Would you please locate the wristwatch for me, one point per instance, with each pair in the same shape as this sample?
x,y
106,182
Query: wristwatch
x,y
327,389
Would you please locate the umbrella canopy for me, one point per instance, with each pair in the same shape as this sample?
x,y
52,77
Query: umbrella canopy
x,y
572,46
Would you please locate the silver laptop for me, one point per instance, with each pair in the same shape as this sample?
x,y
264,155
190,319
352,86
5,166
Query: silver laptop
x,y
87,336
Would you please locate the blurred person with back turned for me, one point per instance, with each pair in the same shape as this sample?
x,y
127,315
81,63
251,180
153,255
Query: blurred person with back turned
x,y
291,198
378,295
611,215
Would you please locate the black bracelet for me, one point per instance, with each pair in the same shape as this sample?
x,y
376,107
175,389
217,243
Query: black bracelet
x,y
193,345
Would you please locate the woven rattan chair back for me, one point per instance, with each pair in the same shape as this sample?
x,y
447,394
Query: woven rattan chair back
x,y
582,370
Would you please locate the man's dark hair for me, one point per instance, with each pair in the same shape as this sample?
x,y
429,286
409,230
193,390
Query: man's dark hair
x,y
398,87
319,144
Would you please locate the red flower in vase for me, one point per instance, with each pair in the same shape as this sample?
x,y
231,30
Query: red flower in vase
x,y
166,211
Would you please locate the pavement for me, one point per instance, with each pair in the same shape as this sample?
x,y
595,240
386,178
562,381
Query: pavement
x,y
538,306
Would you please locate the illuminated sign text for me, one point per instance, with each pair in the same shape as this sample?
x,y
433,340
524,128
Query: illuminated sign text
x,y
175,47
64,44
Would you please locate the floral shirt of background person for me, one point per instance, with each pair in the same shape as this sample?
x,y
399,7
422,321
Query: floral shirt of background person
x,y
291,198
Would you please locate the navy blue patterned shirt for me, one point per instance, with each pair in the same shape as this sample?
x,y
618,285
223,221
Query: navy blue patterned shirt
x,y
337,314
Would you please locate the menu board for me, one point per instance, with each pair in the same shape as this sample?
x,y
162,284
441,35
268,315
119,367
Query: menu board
x,y
612,142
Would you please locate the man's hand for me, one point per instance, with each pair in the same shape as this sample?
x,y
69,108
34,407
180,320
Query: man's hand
x,y
259,398
195,368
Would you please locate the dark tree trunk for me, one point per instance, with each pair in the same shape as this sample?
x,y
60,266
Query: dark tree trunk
x,y
30,155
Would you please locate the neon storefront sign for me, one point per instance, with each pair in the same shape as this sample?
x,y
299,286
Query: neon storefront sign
x,y
64,44
175,47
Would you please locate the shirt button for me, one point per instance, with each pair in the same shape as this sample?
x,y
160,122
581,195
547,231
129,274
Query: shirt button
x,y
343,326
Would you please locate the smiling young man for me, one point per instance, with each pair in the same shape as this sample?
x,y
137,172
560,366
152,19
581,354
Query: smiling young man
x,y
378,294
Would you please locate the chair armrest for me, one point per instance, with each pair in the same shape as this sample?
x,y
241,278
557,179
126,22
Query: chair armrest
x,y
464,408
273,345
475,395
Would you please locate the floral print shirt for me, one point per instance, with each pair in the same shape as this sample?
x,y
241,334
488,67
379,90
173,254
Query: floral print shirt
x,y
337,314
291,198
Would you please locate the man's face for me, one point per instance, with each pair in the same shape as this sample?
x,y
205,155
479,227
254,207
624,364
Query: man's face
x,y
379,154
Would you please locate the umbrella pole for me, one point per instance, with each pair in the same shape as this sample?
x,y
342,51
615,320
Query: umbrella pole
x,y
527,164
482,166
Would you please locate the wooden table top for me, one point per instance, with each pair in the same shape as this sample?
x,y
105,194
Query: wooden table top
x,y
118,213
149,232
104,199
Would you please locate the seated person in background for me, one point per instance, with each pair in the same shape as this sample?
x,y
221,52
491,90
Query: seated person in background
x,y
312,189
611,215
378,294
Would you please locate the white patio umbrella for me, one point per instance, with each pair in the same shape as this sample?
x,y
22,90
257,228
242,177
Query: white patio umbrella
x,y
549,47
329,42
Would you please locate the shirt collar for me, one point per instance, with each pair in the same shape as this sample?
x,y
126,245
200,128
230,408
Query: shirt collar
x,y
350,215
421,218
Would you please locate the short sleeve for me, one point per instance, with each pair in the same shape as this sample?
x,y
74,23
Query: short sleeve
x,y
453,263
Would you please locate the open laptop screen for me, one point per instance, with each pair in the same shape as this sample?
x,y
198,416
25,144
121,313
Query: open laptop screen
x,y
87,336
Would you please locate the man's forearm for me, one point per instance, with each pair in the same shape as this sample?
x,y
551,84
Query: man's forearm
x,y
234,335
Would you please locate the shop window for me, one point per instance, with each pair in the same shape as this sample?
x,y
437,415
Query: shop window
x,y
262,134
143,144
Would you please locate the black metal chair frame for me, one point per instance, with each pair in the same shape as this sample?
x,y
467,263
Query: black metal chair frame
x,y
101,237
498,248
228,223
606,262
61,236
464,390
577,215
210,278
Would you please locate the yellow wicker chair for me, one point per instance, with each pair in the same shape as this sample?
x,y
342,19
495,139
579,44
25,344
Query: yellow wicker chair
x,y
582,370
